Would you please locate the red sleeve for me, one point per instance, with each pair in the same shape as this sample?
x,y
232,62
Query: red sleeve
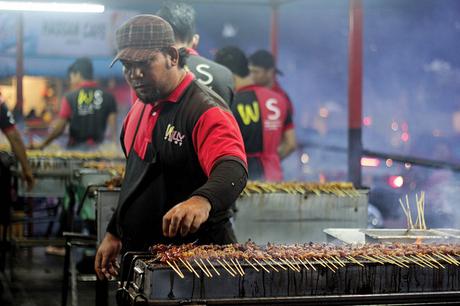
x,y
217,135
66,111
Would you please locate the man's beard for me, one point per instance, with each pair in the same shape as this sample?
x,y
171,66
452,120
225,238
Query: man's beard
x,y
149,96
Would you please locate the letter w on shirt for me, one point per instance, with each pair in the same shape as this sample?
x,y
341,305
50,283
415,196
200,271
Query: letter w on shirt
x,y
249,113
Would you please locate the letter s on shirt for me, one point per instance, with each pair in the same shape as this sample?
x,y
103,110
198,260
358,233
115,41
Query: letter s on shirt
x,y
275,112
205,76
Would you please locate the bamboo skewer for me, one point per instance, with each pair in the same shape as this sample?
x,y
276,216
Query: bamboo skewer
x,y
230,267
277,263
427,261
185,265
355,261
337,258
214,268
415,261
329,267
237,263
251,264
434,260
266,270
271,266
231,260
287,263
399,259
295,262
303,264
174,268
409,212
443,257
330,262
229,272
453,259
177,267
191,268
312,266
204,265
202,269
320,262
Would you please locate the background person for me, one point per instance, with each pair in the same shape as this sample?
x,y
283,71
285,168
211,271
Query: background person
x,y
262,116
88,109
263,72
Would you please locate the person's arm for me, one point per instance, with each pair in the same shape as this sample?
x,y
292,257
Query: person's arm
x,y
19,150
288,143
224,185
55,133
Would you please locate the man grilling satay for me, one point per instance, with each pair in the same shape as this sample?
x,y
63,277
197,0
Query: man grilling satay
x,y
262,115
181,17
185,155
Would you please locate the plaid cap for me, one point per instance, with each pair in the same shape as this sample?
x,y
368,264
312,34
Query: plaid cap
x,y
141,36
264,59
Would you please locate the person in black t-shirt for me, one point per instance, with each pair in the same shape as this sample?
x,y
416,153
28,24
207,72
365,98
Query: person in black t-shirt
x,y
181,17
88,109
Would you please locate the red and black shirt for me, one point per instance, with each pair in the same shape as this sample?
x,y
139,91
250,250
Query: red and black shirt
x,y
262,115
172,146
87,110
278,89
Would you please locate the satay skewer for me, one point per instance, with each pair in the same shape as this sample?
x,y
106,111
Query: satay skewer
x,y
434,260
237,265
442,257
320,262
185,265
204,265
415,261
174,269
295,262
266,270
226,269
453,259
214,268
425,262
352,259
271,266
288,264
303,264
337,258
278,264
311,265
251,264
330,263
329,267
202,269
230,267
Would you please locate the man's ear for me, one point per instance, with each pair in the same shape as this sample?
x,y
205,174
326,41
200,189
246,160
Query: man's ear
x,y
172,57
195,41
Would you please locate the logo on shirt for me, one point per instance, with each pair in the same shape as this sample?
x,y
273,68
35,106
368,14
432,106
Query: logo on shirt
x,y
173,136
249,113
89,101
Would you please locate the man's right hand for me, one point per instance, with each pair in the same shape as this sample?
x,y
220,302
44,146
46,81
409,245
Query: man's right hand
x,y
105,264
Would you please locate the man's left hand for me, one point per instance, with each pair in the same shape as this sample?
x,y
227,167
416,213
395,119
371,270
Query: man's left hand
x,y
186,217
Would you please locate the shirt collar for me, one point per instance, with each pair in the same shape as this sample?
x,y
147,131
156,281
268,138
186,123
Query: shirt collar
x,y
192,51
179,90
87,84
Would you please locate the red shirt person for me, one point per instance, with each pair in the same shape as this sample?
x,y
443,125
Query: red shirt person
x,y
263,72
88,109
185,155
263,117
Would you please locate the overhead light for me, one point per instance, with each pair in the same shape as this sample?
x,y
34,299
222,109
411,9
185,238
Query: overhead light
x,y
51,7
370,162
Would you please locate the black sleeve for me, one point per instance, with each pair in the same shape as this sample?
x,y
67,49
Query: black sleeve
x,y
112,226
225,183
6,117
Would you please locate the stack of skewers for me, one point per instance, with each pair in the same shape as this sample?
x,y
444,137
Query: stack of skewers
x,y
236,258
